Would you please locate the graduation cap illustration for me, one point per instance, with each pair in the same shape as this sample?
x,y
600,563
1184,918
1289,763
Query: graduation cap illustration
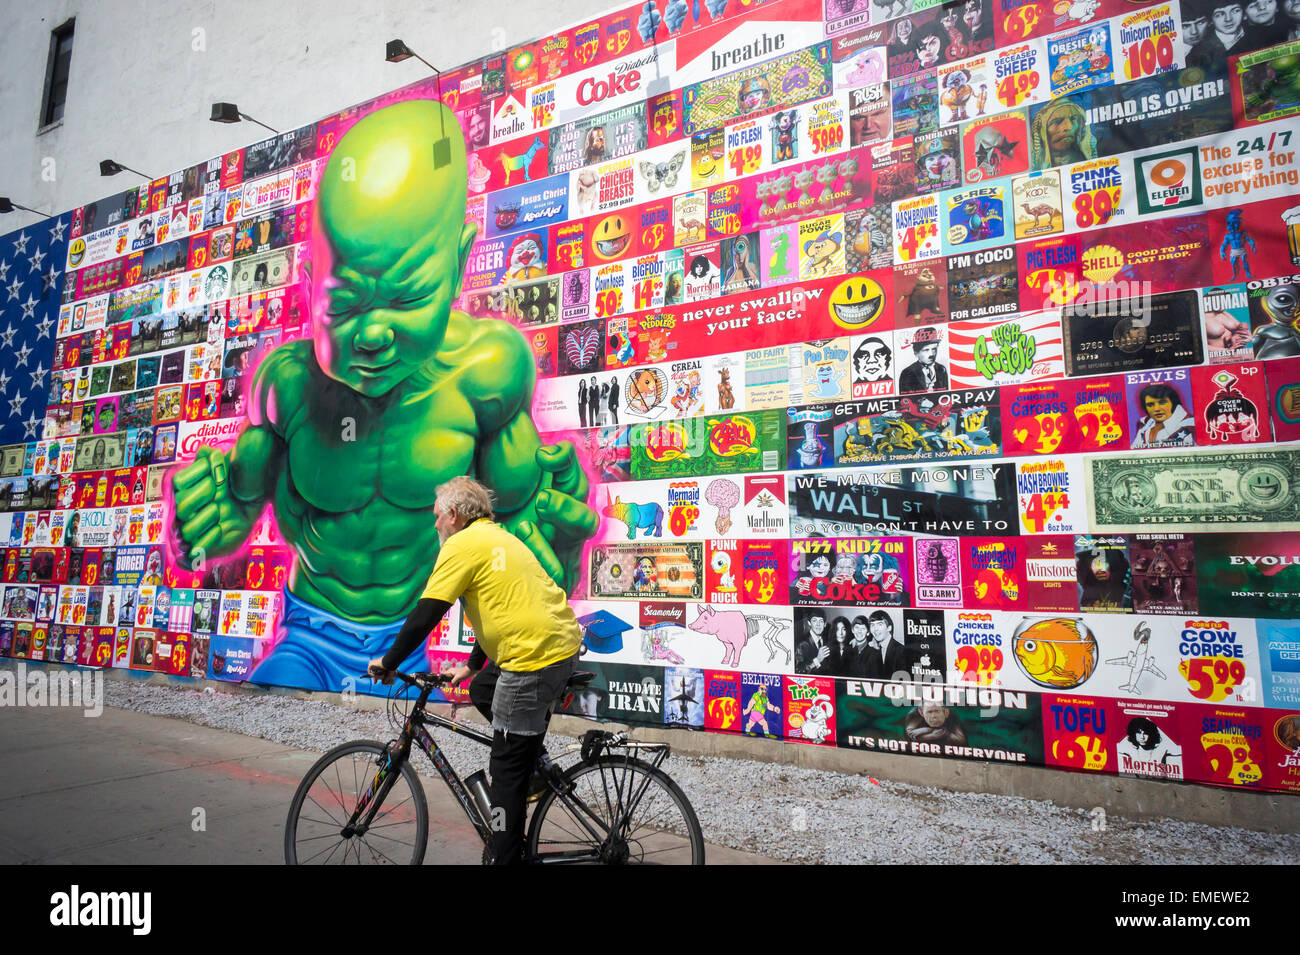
x,y
602,632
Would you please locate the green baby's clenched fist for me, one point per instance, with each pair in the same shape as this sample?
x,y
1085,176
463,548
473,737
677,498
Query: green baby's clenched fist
x,y
208,519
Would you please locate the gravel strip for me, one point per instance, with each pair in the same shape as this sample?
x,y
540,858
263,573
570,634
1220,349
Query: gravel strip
x,y
790,813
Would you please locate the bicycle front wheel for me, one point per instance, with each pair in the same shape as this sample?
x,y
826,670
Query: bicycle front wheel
x,y
652,821
328,796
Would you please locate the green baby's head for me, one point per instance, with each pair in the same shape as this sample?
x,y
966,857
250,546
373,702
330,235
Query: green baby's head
x,y
389,246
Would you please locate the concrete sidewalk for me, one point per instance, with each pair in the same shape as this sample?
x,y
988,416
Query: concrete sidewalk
x,y
125,789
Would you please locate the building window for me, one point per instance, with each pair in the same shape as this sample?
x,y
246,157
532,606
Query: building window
x,y
56,74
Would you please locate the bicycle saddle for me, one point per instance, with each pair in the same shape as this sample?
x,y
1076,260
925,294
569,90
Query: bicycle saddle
x,y
579,679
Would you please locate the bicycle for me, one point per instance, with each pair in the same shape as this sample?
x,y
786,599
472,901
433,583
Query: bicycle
x,y
610,807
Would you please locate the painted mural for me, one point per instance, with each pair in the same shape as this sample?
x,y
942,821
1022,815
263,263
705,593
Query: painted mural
x,y
905,377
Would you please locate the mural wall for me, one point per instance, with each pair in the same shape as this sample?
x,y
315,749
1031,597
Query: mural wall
x,y
911,378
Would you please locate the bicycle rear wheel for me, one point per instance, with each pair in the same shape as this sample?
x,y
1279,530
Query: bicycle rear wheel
x,y
327,797
657,824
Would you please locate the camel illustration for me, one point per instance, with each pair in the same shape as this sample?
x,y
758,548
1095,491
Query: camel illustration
x,y
1042,209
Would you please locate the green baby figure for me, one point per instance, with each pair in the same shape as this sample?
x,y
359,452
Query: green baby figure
x,y
350,432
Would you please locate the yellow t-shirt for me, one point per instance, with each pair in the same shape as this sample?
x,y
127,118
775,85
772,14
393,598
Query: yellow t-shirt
x,y
522,618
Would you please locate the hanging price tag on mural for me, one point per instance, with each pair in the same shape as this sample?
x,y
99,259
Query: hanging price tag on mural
x,y
1041,434
1037,510
1099,425
916,238
1096,208
826,138
648,292
1148,57
1020,22
609,302
1229,759
979,665
1080,752
1212,678
681,518
745,160
1015,89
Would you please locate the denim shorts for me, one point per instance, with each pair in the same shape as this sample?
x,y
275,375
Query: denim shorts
x,y
523,700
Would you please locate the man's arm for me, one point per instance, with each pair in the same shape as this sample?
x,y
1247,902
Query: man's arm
x,y
428,611
418,623
453,573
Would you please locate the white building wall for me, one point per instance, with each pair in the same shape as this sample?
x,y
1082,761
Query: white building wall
x,y
144,75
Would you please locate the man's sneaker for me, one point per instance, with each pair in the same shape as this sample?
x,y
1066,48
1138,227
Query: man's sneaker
x,y
537,786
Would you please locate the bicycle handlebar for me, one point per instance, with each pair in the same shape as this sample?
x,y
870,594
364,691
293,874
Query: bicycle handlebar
x,y
416,679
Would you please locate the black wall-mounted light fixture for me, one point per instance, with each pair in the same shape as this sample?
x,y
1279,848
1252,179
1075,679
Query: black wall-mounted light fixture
x,y
109,167
229,113
395,52
8,205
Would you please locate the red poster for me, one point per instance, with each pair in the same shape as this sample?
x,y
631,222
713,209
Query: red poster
x,y
1230,403
825,308
722,700
1140,259
765,572
232,169
612,236
1079,733
653,222
1038,418
177,660
723,575
104,638
508,163
568,242
1099,413
1050,272
1150,739
1283,377
1050,582
993,573
664,117
1254,245
810,709
1226,746
1282,750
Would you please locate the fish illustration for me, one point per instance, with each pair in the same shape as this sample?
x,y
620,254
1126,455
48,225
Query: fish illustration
x,y
1060,652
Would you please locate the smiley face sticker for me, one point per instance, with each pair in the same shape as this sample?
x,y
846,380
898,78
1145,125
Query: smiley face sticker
x,y
856,303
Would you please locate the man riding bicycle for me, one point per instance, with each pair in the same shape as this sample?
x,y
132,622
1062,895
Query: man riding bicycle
x,y
527,636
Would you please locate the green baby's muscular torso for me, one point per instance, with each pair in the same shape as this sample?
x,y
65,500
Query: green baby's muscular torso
x,y
358,480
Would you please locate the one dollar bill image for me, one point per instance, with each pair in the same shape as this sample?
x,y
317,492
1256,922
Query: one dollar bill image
x,y
1206,490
